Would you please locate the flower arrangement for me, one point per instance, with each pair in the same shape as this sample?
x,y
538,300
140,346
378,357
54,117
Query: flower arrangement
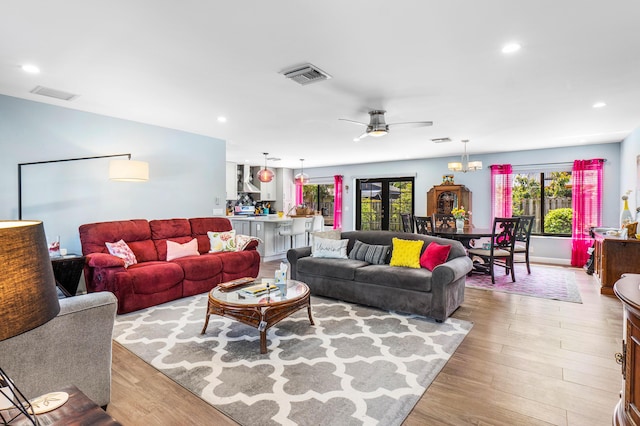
x,y
460,213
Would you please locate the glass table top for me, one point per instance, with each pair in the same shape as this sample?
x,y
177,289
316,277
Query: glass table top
x,y
245,296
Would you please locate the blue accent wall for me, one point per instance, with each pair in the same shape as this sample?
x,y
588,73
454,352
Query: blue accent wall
x,y
187,171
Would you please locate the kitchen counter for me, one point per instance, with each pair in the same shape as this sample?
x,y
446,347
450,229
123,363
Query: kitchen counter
x,y
274,246
261,218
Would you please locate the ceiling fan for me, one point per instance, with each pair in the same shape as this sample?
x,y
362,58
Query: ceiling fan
x,y
378,127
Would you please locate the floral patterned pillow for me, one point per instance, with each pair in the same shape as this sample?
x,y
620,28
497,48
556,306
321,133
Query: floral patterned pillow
x,y
121,249
222,241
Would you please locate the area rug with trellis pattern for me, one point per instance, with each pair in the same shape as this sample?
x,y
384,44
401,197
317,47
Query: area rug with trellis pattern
x,y
356,366
548,282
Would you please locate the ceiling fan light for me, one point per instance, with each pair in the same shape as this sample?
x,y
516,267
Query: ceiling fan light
x,y
378,133
455,166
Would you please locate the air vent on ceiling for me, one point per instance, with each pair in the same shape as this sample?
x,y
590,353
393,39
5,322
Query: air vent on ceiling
x,y
441,140
53,93
305,74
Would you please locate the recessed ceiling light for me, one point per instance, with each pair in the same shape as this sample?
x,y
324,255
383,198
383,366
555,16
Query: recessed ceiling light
x,y
222,119
599,105
31,69
511,48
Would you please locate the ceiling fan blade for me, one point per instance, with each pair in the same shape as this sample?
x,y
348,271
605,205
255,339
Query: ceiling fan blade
x,y
413,124
353,121
364,135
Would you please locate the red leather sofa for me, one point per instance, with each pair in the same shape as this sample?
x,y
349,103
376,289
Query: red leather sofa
x,y
154,280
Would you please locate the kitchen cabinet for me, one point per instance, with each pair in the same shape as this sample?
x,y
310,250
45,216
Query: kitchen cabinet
x,y
231,181
273,246
268,189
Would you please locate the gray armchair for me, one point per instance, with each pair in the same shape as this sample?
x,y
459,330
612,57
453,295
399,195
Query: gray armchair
x,y
74,348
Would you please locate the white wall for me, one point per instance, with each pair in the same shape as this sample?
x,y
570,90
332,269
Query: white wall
x,y
629,176
428,172
187,171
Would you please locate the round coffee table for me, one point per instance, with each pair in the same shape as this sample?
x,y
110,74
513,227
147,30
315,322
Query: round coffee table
x,y
261,311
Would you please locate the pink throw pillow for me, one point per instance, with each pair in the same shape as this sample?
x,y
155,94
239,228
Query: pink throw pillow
x,y
121,249
177,250
435,254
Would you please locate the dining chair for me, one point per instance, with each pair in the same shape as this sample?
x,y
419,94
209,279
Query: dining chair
x,y
444,220
500,251
297,227
523,235
424,225
407,222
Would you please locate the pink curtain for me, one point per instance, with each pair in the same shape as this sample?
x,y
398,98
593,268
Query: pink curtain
x,y
299,194
501,184
586,201
337,202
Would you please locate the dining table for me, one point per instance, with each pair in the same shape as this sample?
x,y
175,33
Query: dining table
x,y
465,235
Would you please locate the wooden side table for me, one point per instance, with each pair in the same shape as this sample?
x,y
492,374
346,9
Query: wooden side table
x,y
67,270
78,410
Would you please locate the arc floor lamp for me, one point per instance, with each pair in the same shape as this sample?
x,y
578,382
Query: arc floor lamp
x,y
119,170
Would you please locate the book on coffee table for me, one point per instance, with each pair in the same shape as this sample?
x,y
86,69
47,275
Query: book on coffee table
x,y
235,283
259,289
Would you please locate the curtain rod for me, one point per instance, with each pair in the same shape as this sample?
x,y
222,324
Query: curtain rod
x,y
548,164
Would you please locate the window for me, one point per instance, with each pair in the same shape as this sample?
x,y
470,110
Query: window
x,y
320,198
547,196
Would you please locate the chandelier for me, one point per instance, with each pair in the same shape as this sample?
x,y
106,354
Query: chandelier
x,y
265,175
302,177
465,165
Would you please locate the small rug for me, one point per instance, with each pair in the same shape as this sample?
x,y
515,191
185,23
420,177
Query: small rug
x,y
356,366
548,282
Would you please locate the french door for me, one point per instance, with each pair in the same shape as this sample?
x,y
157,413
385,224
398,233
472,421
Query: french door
x,y
380,201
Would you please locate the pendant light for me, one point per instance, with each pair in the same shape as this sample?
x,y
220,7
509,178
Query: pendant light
x,y
465,165
265,175
302,177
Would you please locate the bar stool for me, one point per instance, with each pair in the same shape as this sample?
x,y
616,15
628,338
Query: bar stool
x,y
297,227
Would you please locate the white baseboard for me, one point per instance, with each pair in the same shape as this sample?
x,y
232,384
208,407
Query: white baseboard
x,y
550,260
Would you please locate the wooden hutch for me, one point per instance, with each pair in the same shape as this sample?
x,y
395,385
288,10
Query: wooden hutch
x,y
613,257
442,198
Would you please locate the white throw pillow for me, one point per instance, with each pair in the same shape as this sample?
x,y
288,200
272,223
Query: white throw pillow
x,y
333,234
177,250
333,249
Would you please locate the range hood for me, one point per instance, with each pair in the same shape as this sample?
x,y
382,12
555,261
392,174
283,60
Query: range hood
x,y
247,185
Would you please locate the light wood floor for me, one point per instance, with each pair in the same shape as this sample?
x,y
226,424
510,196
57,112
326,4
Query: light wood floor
x,y
527,361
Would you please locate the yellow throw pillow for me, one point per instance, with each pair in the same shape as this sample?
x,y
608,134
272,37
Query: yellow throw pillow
x,y
406,253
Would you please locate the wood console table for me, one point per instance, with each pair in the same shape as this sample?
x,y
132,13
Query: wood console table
x,y
78,410
613,257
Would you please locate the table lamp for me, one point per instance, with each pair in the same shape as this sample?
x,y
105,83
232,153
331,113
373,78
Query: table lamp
x,y
28,295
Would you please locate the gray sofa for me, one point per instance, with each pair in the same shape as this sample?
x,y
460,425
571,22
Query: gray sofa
x,y
434,294
74,348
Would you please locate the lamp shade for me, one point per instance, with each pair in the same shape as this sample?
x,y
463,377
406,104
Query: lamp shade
x,y
28,294
129,170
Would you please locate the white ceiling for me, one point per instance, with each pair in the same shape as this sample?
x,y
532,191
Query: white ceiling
x,y
181,64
